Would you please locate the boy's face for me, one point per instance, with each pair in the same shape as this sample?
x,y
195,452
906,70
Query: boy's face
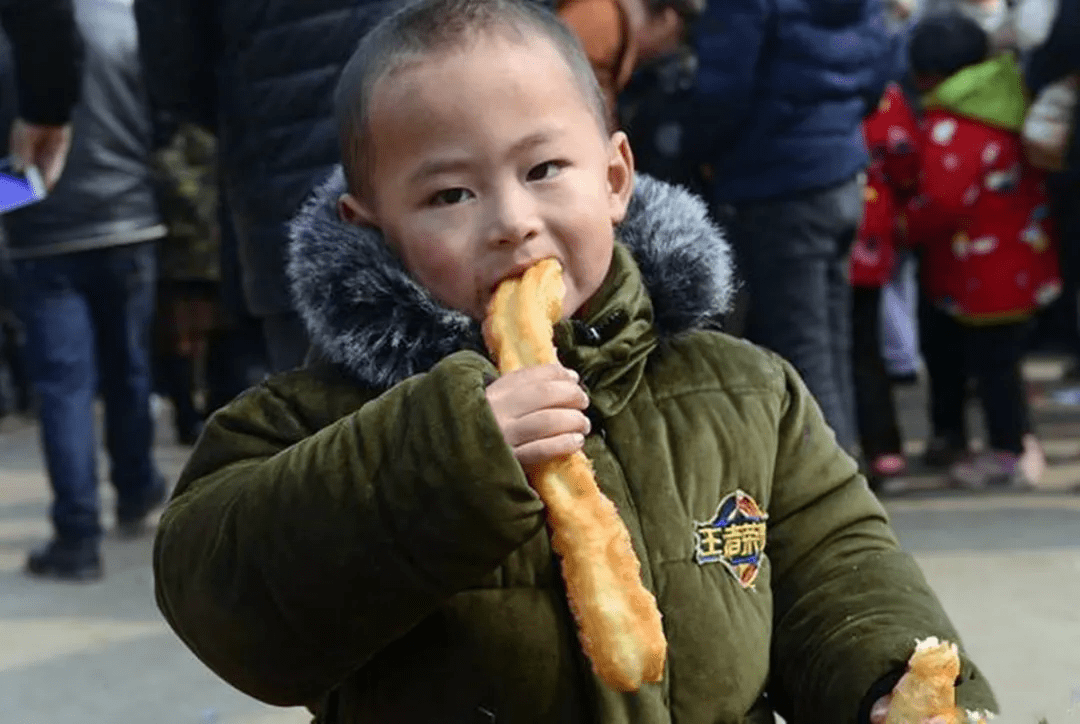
x,y
487,160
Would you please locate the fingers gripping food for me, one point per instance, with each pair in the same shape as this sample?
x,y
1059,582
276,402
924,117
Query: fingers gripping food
x,y
928,689
618,621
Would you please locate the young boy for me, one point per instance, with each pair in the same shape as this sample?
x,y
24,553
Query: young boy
x,y
360,536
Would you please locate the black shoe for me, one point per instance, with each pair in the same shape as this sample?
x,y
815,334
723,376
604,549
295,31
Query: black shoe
x,y
64,560
131,516
944,451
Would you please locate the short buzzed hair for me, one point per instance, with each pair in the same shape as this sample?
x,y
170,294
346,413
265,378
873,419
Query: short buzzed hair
x,y
422,27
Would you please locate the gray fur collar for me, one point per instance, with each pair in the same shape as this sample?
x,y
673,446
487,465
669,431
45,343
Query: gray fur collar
x,y
365,313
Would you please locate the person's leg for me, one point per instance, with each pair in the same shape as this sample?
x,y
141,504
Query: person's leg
x,y
786,251
124,281
875,411
286,341
842,213
943,353
178,341
60,357
995,353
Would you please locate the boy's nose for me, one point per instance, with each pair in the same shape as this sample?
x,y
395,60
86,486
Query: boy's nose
x,y
514,219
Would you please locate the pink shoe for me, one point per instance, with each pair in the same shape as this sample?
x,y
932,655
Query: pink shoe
x,y
888,466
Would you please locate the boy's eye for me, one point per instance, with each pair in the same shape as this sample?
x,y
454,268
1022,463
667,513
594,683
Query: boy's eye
x,y
545,170
449,197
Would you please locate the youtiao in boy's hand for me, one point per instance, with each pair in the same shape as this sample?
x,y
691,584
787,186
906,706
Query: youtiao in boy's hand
x,y
618,621
926,693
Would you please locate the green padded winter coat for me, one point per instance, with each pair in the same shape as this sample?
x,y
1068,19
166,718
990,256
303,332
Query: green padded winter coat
x,y
357,537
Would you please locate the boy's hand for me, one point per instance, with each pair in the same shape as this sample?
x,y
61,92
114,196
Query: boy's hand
x,y
540,412
880,711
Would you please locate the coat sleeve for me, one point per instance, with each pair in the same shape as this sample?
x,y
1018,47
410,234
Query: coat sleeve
x,y
288,557
848,603
179,45
48,52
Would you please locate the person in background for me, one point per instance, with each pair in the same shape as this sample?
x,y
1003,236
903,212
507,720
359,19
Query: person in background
x,y
982,217
189,269
780,98
40,63
619,36
84,264
891,135
1055,57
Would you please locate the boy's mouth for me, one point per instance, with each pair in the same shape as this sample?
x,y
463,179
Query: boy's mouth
x,y
514,272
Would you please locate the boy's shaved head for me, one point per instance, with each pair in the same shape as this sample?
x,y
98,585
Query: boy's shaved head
x,y
423,27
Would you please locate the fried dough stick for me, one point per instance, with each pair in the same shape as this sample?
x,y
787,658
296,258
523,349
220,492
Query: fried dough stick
x,y
618,621
928,689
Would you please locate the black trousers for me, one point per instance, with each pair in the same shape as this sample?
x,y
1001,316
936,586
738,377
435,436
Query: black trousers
x,y
942,345
875,410
990,353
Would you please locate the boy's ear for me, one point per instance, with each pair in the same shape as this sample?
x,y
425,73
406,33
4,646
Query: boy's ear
x,y
620,176
353,211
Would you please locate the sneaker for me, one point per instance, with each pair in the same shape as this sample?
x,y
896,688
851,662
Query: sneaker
x,y
65,560
131,516
888,466
991,469
1032,460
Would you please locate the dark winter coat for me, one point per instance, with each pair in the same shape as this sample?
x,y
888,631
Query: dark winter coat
x,y
783,86
48,52
262,74
1058,57
357,536
105,196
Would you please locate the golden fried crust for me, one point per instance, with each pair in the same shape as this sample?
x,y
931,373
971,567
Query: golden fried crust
x,y
928,689
618,620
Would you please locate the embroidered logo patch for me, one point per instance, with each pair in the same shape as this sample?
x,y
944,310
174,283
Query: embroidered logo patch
x,y
734,537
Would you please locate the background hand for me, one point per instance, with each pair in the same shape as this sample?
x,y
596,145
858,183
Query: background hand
x,y
662,34
43,146
540,412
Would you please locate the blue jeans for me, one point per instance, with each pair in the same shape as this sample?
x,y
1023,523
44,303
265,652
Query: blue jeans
x,y
792,254
87,318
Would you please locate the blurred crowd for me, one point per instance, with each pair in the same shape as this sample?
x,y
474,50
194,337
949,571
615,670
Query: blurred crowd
x,y
897,181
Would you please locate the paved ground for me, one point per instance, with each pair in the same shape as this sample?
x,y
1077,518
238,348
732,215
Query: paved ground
x,y
1006,567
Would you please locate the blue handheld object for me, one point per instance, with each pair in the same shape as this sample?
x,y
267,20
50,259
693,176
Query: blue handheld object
x,y
19,188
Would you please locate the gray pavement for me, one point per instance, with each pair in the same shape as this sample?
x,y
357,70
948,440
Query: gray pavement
x,y
1007,568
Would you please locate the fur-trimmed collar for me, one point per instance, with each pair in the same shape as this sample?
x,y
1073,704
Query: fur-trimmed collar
x,y
365,313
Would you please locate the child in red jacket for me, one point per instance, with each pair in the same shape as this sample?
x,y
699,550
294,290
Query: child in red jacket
x,y
988,244
891,136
